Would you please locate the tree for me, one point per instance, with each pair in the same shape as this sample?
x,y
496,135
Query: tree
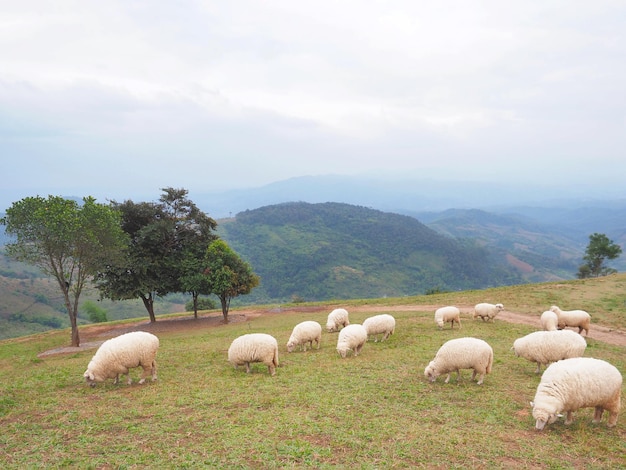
x,y
227,275
163,236
67,241
599,250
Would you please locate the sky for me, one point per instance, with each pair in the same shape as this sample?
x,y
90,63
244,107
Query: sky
x,y
117,99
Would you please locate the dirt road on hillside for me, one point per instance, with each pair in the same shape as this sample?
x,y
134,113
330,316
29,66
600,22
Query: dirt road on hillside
x,y
92,336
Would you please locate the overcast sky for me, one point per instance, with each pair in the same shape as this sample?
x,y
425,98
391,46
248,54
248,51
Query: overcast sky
x,y
117,99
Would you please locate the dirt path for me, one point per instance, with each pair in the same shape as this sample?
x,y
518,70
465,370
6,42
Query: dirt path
x,y
94,335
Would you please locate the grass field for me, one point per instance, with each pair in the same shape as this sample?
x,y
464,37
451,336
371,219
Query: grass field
x,y
320,411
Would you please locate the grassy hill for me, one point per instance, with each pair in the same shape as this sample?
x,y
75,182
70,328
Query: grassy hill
x,y
319,411
339,251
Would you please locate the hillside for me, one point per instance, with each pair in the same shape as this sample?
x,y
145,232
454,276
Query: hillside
x,y
319,410
339,251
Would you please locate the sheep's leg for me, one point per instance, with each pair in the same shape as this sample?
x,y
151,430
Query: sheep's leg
x,y
447,378
116,380
247,367
613,414
473,374
318,343
154,371
272,370
597,415
569,419
458,375
538,369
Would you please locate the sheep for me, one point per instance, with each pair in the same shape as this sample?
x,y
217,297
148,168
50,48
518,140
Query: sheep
x,y
487,311
337,318
581,382
305,333
254,347
544,347
447,314
461,353
383,325
549,320
120,354
575,318
352,337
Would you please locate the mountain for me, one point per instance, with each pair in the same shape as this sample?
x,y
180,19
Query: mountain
x,y
339,251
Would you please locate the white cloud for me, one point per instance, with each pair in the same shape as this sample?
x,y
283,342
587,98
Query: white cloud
x,y
251,92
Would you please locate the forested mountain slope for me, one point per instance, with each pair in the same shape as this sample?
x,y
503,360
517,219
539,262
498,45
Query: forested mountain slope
x,y
333,250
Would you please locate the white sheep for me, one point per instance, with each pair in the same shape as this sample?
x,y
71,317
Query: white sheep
x,y
383,325
571,384
120,354
305,333
487,311
544,347
254,347
336,319
549,320
447,314
352,337
575,318
461,353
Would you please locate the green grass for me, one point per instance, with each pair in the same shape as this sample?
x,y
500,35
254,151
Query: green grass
x,y
319,411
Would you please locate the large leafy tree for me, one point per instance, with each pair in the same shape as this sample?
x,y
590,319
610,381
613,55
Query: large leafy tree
x,y
600,249
163,236
227,275
69,241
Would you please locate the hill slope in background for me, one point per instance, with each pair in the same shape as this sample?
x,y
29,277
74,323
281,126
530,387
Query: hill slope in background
x,y
339,251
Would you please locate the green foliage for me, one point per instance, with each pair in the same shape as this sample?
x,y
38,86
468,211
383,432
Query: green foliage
x,y
600,249
227,275
339,251
95,313
163,238
67,241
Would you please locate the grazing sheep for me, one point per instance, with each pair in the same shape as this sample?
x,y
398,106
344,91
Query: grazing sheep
x,y
461,353
581,382
120,354
549,320
487,311
447,314
383,325
337,318
544,347
254,347
352,337
575,318
305,333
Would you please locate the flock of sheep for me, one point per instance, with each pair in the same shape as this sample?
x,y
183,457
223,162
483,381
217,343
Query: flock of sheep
x,y
570,381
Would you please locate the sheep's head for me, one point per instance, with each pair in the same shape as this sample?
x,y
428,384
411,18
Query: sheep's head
x,y
291,345
90,378
500,306
431,372
543,416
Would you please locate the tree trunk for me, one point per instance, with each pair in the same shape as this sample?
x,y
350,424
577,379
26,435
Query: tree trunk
x,y
195,304
148,302
225,301
72,312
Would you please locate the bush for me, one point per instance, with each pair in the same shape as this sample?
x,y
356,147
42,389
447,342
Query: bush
x,y
95,313
203,304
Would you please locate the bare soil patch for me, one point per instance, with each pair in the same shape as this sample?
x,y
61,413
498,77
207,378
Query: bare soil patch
x,y
94,335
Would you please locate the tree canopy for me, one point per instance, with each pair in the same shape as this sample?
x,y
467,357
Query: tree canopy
x,y
599,250
227,275
163,236
69,241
